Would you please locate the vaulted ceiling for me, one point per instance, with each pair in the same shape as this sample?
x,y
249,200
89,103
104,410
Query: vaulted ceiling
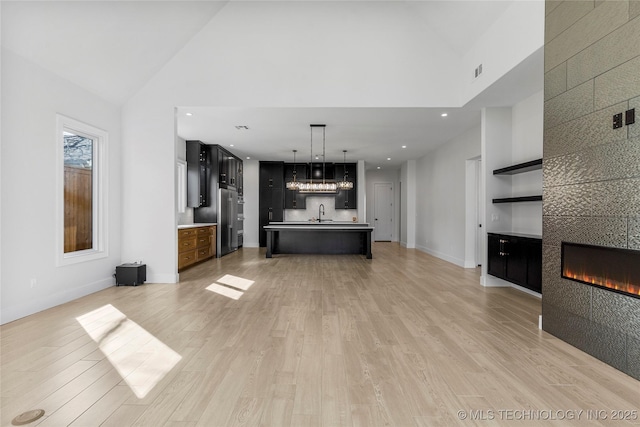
x,y
113,48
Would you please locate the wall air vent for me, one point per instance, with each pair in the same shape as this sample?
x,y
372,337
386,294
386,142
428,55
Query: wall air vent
x,y
478,71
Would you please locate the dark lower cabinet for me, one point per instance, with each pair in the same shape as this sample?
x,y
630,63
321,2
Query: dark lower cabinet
x,y
516,259
271,197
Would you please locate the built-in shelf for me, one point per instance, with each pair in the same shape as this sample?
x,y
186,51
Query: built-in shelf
x,y
536,198
515,169
519,168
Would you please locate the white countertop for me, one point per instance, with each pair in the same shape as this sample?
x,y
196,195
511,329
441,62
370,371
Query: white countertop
x,y
346,226
323,223
201,224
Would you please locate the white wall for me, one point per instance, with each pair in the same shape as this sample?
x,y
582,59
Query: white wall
x,y
518,33
392,176
31,98
250,184
527,122
440,201
408,197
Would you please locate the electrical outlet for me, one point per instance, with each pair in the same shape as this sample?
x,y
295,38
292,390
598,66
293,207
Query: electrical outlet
x,y
33,282
630,116
617,121
495,217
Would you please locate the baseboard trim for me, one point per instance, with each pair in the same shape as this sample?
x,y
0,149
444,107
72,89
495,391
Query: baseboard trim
x,y
9,314
445,257
490,281
162,278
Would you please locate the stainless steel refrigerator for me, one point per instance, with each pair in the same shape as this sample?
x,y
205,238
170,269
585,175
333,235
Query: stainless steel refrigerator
x,y
227,221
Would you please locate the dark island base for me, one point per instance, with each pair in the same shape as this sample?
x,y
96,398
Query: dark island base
x,y
305,241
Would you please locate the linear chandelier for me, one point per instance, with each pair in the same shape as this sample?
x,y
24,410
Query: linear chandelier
x,y
311,186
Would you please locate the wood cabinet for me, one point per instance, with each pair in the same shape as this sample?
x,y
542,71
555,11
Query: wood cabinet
x,y
347,199
271,197
515,258
195,244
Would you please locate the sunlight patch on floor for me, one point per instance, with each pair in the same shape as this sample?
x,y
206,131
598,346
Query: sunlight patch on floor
x,y
141,359
225,291
236,282
233,286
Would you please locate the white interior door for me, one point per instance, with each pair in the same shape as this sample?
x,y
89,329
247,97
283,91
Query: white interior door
x,y
478,207
383,211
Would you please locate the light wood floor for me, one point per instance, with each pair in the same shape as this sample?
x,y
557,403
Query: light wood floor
x,y
404,339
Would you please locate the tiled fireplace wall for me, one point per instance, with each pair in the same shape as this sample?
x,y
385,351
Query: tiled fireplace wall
x,y
591,171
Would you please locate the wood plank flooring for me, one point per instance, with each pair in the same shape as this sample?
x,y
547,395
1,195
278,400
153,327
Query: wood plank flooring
x,y
404,339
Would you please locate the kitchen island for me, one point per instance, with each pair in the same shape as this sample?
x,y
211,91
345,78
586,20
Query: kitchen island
x,y
318,238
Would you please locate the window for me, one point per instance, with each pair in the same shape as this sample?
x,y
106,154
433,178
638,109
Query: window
x,y
81,191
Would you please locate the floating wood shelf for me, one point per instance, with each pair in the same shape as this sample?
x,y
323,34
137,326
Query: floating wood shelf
x,y
536,198
520,168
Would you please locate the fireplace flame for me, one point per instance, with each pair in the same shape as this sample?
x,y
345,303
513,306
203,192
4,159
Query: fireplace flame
x,y
622,286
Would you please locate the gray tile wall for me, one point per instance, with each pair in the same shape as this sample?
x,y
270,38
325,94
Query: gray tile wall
x,y
591,173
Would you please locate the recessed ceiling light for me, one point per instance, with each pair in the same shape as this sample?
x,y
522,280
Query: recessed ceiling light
x,y
189,114
404,146
444,114
248,158
231,145
388,158
378,167
242,127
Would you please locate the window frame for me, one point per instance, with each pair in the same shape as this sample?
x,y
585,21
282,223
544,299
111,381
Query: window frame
x,y
100,246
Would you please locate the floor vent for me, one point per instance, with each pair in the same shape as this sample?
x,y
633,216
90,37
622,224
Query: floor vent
x,y
28,417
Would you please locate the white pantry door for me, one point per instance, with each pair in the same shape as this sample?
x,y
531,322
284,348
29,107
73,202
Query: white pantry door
x,y
382,211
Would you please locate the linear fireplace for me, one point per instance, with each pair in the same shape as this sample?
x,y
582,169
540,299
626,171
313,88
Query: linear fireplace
x,y
614,269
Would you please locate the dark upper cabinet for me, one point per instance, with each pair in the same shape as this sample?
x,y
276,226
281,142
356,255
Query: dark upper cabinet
x,y
206,165
317,170
228,169
271,196
198,174
347,199
239,178
516,259
272,174
294,199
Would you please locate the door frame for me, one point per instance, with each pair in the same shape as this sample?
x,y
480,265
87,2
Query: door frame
x,y
473,227
392,217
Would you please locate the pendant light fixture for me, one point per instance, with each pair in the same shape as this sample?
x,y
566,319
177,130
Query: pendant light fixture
x,y
344,184
318,187
294,184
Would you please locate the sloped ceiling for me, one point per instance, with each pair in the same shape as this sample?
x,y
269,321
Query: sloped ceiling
x,y
110,48
113,48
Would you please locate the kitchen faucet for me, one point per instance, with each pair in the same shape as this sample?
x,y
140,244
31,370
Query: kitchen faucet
x,y
320,212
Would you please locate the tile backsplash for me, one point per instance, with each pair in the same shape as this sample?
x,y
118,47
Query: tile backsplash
x,y
311,211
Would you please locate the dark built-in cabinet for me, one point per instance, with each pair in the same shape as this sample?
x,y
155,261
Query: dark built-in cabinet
x,y
516,258
271,196
198,174
230,168
210,167
275,198
294,199
347,199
